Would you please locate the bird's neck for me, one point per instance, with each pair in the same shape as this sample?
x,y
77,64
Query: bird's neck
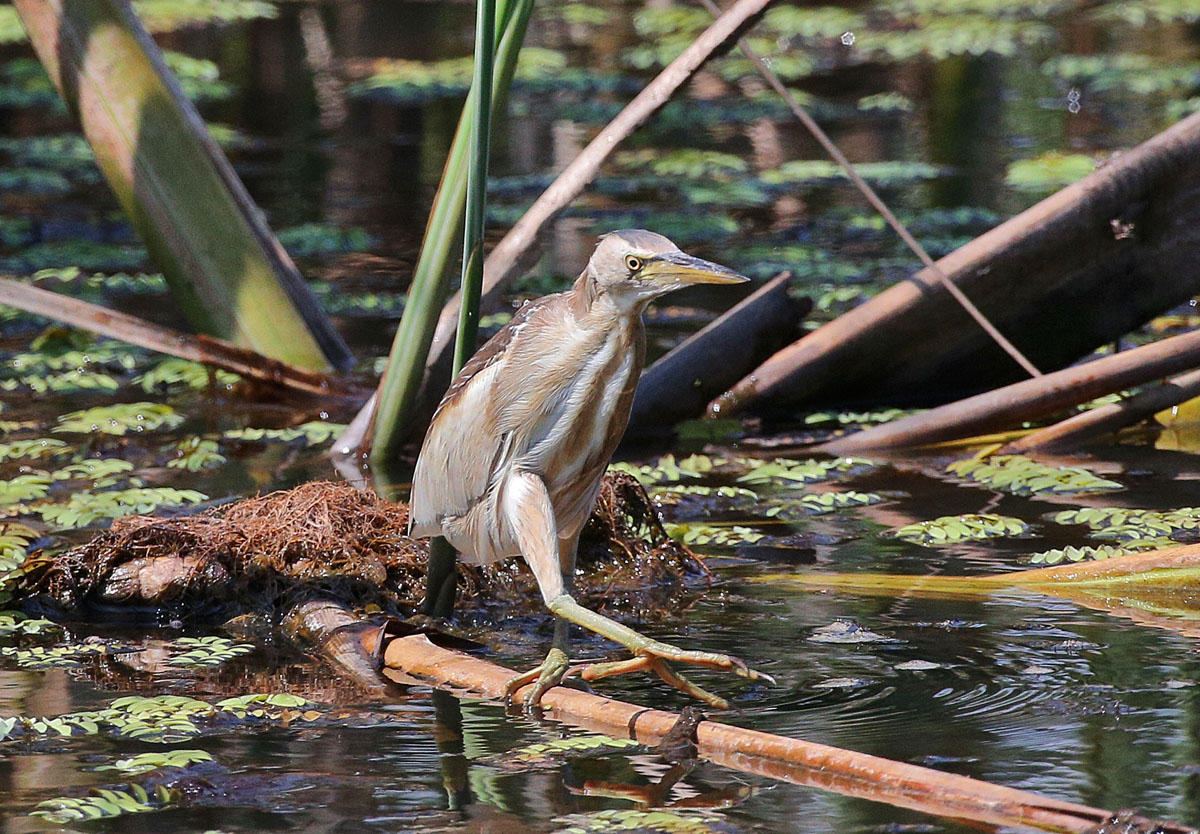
x,y
592,300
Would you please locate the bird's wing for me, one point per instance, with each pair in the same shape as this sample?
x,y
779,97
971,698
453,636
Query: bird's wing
x,y
465,445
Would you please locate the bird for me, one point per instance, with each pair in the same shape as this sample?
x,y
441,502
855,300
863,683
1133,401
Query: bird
x,y
515,453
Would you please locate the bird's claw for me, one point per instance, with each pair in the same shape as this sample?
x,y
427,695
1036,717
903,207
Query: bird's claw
x,y
544,677
652,657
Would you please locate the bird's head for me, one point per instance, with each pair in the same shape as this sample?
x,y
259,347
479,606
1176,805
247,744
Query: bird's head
x,y
636,265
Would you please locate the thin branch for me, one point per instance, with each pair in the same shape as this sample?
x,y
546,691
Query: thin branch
x,y
875,200
204,349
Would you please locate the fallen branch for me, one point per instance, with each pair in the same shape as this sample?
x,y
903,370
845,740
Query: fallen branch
x,y
790,760
514,253
681,383
204,349
1120,245
1111,417
1030,399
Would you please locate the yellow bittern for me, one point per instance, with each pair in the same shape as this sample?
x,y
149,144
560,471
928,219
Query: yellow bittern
x,y
513,459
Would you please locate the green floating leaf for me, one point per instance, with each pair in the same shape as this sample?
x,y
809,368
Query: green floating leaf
x,y
172,372
1133,525
196,454
104,803
708,534
858,418
157,760
658,822
102,472
1080,554
1048,172
783,470
24,488
37,449
207,651
553,752
952,529
14,622
314,433
666,469
1020,475
120,418
819,503
58,657
84,508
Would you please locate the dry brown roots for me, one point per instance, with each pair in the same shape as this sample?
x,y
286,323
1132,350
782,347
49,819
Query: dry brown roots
x,y
329,540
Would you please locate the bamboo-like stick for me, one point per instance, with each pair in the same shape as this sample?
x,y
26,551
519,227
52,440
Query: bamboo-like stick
x,y
204,349
228,272
1110,417
1005,408
787,759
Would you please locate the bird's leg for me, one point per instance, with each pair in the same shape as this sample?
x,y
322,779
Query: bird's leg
x,y
532,517
528,509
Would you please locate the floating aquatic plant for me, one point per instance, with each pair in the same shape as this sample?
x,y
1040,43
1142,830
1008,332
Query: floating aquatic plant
x,y
823,172
314,433
85,508
60,657
173,371
323,239
14,622
819,503
706,534
120,418
157,760
1020,475
101,472
1134,525
673,493
858,418
37,449
24,488
196,454
208,651
657,821
1049,172
1079,554
667,469
70,381
553,752
105,803
784,470
952,529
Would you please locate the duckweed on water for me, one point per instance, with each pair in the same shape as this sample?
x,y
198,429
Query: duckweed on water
x,y
783,470
1048,172
1020,475
37,449
104,803
706,534
1133,525
953,529
157,760
819,503
85,508
658,821
173,372
1079,554
552,753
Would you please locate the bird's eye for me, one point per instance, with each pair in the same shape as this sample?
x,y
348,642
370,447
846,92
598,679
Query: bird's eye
x,y
633,262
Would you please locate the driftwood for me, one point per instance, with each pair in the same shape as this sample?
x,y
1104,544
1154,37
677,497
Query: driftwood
x,y
1111,417
790,760
1007,407
229,273
1074,272
517,249
204,349
680,384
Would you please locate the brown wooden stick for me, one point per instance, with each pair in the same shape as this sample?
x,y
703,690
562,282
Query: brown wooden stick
x,y
517,249
1111,417
750,751
1073,272
1006,407
680,384
204,349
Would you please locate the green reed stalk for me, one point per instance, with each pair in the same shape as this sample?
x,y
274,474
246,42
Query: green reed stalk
x,y
406,362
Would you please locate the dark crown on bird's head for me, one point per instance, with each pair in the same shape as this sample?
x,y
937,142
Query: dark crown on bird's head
x,y
651,264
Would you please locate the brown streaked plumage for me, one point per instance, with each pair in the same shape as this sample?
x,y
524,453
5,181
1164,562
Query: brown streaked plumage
x,y
515,453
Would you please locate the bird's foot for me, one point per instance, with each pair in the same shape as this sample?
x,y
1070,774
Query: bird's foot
x,y
545,676
652,655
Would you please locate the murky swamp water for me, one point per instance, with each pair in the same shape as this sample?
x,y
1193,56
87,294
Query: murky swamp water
x,y
964,113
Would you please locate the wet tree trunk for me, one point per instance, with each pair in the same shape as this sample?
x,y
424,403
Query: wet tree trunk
x,y
1074,272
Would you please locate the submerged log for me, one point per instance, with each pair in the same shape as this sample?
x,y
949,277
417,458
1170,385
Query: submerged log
x,y
229,274
1110,417
1073,272
786,759
1007,407
680,384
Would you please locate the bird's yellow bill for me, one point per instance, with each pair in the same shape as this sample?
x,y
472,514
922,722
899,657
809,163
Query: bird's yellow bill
x,y
681,268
